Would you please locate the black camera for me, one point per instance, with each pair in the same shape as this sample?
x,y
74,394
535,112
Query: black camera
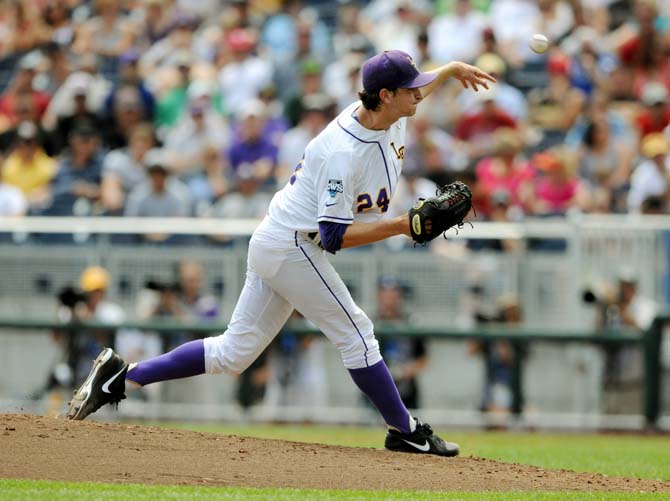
x,y
71,297
162,287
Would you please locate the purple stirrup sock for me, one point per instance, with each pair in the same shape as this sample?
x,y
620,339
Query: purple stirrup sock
x,y
376,382
184,361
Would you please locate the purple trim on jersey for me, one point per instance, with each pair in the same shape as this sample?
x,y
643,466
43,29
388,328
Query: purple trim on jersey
x,y
333,217
338,302
381,150
377,384
395,170
332,235
184,361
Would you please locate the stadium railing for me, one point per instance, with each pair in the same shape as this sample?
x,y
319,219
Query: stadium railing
x,y
649,342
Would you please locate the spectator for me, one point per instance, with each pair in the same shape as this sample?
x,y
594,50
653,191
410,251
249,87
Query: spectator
x,y
655,114
651,177
196,304
81,115
406,356
79,174
123,169
88,303
252,147
396,25
26,112
29,168
310,84
167,52
193,145
508,98
499,359
24,28
620,306
57,16
127,113
129,76
556,189
245,66
295,371
605,167
478,127
12,201
246,200
174,100
600,106
317,111
457,35
182,299
22,84
506,171
108,34
86,76
158,195
432,152
555,108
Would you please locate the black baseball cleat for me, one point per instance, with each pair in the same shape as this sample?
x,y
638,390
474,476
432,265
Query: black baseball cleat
x,y
105,384
422,441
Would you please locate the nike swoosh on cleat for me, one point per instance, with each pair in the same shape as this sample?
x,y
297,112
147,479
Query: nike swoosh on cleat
x,y
330,205
423,448
105,387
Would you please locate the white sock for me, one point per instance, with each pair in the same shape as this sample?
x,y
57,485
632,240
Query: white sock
x,y
131,385
412,424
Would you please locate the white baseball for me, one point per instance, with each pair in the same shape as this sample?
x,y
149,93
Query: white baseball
x,y
539,43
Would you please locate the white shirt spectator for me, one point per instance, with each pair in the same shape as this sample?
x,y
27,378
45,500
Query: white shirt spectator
x,y
12,201
241,81
647,181
456,38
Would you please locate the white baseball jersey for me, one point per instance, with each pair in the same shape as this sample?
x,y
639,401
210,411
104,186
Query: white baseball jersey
x,y
348,173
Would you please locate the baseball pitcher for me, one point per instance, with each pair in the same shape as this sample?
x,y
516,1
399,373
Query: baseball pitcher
x,y
336,198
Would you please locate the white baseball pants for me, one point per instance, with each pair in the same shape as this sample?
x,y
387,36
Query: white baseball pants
x,y
286,271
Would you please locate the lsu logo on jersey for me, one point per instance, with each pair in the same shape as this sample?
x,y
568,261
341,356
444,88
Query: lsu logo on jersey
x,y
334,187
399,152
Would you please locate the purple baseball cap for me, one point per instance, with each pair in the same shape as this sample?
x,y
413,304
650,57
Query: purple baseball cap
x,y
393,69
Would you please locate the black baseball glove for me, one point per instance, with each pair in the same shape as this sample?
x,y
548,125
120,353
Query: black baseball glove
x,y
433,216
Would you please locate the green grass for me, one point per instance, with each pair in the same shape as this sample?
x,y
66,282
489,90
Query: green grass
x,y
19,490
618,455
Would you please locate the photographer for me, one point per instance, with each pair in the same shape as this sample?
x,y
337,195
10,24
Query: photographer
x,y
77,346
619,306
182,300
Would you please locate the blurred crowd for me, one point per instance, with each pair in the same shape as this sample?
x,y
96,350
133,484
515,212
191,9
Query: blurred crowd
x,y
162,108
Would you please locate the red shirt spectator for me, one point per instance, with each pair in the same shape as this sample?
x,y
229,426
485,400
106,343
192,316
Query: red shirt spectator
x,y
478,128
655,115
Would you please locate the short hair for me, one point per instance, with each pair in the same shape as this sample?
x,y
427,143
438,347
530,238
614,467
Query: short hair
x,y
371,100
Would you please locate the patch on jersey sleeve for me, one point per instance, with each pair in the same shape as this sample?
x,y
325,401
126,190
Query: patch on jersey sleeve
x,y
334,187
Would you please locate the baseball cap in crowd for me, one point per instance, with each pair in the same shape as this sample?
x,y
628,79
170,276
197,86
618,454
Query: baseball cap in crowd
x,y
393,69
241,40
94,278
655,144
252,108
26,131
654,93
84,128
318,102
155,160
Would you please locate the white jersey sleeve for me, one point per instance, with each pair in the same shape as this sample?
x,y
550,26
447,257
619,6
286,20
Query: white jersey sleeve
x,y
335,189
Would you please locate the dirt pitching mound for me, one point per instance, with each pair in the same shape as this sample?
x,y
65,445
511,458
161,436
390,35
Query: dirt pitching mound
x,y
36,447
